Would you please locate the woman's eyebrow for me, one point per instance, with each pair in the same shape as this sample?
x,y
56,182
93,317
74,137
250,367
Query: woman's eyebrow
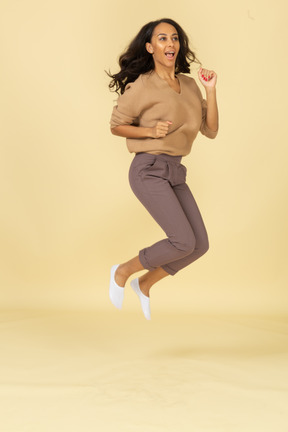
x,y
164,34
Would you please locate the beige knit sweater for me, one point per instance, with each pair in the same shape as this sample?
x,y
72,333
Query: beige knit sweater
x,y
150,99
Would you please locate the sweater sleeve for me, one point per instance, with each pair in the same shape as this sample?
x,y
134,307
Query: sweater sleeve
x,y
204,128
128,107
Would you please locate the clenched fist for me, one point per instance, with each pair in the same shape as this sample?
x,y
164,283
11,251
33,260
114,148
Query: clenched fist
x,y
161,129
207,77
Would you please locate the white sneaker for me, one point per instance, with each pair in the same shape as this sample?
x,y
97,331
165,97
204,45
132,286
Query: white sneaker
x,y
144,300
116,293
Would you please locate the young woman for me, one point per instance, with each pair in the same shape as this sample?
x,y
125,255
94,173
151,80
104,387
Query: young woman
x,y
160,111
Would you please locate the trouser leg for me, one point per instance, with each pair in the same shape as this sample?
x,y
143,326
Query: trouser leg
x,y
194,217
158,197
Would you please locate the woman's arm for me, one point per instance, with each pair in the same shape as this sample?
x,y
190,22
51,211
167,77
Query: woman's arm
x,y
129,131
212,109
209,78
128,109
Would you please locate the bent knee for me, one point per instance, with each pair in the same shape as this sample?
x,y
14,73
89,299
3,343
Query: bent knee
x,y
185,245
203,246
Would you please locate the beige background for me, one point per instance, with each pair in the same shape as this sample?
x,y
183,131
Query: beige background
x,y
214,356
67,211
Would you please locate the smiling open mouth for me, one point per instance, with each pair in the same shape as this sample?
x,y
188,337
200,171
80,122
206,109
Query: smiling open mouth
x,y
170,54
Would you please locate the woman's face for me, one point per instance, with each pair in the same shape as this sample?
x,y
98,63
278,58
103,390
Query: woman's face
x,y
164,45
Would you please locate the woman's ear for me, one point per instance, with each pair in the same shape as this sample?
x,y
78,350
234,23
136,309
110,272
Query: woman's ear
x,y
149,47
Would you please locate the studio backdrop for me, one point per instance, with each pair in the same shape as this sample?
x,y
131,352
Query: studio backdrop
x,y
67,210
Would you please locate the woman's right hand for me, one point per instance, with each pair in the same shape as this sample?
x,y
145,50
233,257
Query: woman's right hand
x,y
130,131
161,129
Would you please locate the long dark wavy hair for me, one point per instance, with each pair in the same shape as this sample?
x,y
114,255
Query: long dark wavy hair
x,y
136,60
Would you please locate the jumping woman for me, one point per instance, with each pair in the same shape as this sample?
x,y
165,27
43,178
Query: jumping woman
x,y
160,112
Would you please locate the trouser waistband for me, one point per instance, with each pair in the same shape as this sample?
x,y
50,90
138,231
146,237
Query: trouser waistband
x,y
161,156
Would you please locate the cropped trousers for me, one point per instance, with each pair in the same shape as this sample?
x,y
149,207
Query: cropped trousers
x,y
159,182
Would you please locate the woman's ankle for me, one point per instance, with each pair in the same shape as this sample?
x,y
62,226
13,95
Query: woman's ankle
x,y
121,275
144,286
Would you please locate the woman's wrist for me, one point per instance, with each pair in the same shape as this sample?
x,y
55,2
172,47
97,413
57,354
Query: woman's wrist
x,y
133,132
210,90
148,132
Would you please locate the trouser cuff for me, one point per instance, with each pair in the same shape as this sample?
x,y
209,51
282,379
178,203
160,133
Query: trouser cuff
x,y
169,270
144,262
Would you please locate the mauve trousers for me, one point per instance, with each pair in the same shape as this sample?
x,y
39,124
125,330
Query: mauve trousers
x,y
159,182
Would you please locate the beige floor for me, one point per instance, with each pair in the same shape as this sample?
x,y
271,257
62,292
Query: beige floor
x,y
114,371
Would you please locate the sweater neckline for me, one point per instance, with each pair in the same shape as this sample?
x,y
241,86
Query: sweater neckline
x,y
167,85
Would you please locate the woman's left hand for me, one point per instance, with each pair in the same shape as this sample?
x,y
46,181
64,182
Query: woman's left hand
x,y
207,77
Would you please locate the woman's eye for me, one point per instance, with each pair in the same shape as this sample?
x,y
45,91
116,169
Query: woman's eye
x,y
163,38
